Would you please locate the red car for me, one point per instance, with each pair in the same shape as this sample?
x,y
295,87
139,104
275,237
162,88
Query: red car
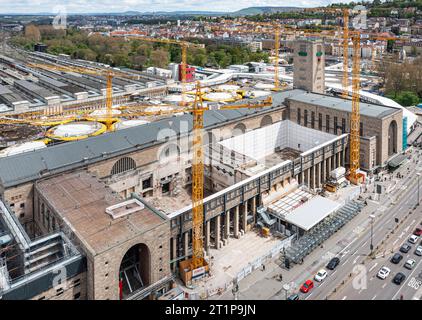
x,y
307,286
418,232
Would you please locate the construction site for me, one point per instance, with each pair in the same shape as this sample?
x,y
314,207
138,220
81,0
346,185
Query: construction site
x,y
144,187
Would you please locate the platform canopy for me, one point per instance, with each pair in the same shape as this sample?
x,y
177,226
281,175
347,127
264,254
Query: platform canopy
x,y
312,212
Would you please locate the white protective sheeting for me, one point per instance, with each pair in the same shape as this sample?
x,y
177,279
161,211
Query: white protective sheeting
x,y
262,142
312,212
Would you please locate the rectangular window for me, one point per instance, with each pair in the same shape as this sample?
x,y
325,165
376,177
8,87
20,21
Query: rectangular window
x,y
327,123
335,125
147,183
361,129
299,116
320,121
305,118
343,125
313,120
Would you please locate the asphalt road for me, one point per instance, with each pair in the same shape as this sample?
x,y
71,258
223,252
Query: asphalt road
x,y
358,249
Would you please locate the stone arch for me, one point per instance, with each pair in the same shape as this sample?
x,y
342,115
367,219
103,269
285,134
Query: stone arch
x,y
122,165
135,269
266,121
392,138
239,129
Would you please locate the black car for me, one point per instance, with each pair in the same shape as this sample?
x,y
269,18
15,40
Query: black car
x,y
396,258
334,262
399,278
293,297
405,248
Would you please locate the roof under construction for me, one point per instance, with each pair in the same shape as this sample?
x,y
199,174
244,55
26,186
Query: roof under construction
x,y
85,203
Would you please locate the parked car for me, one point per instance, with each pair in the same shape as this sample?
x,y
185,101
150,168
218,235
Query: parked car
x,y
307,286
418,251
293,297
334,262
321,275
418,232
399,278
410,264
396,258
383,273
405,248
413,239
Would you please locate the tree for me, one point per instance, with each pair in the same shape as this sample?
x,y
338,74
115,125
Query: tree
x,y
160,58
406,98
32,33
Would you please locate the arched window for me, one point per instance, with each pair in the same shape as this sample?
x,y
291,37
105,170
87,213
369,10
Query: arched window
x,y
392,138
266,121
123,165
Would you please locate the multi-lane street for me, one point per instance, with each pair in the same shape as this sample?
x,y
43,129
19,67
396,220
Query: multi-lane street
x,y
393,219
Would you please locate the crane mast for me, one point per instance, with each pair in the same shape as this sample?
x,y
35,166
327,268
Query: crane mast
x,y
197,182
345,52
355,116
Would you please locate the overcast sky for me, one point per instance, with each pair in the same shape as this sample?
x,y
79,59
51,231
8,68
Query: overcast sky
x,y
89,6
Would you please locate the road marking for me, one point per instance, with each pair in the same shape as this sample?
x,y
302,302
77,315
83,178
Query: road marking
x,y
344,298
384,285
309,296
395,241
373,298
334,272
401,287
373,266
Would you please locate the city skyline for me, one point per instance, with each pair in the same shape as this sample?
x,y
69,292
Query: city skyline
x,y
108,6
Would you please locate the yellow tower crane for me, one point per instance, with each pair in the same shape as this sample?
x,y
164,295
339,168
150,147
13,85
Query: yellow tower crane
x,y
107,73
183,65
197,109
345,52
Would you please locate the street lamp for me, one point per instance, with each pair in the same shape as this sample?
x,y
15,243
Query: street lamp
x,y
372,232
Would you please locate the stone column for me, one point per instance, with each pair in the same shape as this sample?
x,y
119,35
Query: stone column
x,y
313,178
207,236
245,216
308,177
186,244
227,226
254,209
217,231
327,174
236,222
174,245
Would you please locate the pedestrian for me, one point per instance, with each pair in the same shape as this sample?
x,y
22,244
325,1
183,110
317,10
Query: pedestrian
x,y
263,267
281,277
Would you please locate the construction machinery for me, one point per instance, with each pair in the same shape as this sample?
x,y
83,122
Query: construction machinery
x,y
196,265
107,73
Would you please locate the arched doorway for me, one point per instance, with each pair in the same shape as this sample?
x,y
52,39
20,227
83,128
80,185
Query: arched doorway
x,y
266,121
392,138
134,271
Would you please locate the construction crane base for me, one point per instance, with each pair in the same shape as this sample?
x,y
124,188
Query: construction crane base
x,y
189,270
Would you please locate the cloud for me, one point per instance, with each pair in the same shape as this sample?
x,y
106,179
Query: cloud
x,y
92,6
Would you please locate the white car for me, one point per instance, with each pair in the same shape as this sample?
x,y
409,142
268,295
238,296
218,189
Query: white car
x,y
410,264
418,251
321,275
383,273
413,239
